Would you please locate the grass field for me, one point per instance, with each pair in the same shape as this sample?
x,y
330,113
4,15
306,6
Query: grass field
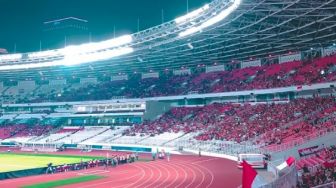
x,y
69,181
20,161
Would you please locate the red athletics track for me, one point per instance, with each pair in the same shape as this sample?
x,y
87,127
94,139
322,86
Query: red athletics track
x,y
180,171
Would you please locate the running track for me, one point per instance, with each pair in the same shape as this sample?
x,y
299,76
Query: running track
x,y
180,171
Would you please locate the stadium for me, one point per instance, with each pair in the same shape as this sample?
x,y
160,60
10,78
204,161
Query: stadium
x,y
214,93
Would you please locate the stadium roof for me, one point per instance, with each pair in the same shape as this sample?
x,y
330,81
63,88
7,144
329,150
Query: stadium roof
x,y
256,28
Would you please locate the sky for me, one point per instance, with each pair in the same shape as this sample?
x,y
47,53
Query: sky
x,y
21,25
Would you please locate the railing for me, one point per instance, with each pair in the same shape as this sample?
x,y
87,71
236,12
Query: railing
x,y
299,141
39,147
219,147
327,185
214,146
287,179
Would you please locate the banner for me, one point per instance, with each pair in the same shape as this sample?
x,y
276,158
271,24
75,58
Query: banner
x,y
22,173
214,68
254,63
308,151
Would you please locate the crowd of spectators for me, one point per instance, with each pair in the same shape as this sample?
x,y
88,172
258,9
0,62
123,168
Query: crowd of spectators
x,y
240,122
7,131
23,130
35,130
112,161
294,73
263,123
323,118
324,174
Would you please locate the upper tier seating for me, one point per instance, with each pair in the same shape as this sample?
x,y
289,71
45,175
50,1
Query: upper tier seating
x,y
295,73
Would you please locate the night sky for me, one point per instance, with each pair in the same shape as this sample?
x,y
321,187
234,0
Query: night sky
x,y
22,20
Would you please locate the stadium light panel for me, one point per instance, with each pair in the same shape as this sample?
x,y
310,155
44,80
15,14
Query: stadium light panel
x,y
28,66
92,47
189,31
10,57
77,59
126,39
48,53
99,56
192,14
219,17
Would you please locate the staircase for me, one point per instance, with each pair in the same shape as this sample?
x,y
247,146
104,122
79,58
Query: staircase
x,y
174,139
34,92
67,135
137,142
94,135
113,138
3,91
45,136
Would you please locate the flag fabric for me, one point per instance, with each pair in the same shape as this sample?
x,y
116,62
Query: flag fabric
x,y
249,175
290,160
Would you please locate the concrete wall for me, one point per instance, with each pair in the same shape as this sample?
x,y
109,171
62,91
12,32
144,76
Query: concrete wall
x,y
155,109
327,140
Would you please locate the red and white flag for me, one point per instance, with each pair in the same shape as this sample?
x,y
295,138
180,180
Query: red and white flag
x,y
287,163
251,178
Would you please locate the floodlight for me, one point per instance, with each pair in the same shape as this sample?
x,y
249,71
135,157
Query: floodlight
x,y
48,53
92,47
189,31
126,39
10,57
98,56
192,14
73,60
220,16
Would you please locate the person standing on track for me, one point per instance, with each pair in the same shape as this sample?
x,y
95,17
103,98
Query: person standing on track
x,y
168,156
105,164
49,169
153,155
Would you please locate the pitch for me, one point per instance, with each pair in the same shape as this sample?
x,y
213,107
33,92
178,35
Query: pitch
x,y
21,161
